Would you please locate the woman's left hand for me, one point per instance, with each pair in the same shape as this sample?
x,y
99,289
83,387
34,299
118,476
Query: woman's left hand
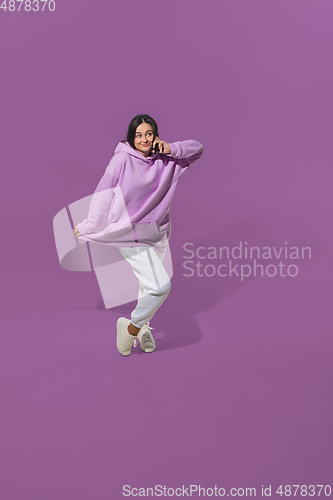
x,y
76,232
163,147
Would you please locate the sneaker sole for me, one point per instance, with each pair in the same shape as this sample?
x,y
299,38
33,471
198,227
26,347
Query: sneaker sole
x,y
148,350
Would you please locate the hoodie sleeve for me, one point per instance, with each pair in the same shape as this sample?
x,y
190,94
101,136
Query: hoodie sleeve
x,y
186,153
102,198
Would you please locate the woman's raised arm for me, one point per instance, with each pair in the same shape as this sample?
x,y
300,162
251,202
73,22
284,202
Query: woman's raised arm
x,y
185,153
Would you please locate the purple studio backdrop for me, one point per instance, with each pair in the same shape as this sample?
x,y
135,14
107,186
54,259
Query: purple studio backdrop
x,y
237,394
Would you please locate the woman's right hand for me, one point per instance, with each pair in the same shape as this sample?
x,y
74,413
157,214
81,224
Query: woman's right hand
x,y
76,232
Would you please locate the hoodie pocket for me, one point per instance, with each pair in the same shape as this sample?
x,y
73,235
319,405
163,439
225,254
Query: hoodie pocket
x,y
147,231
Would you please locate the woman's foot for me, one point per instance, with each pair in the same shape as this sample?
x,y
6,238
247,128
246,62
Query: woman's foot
x,y
147,341
124,339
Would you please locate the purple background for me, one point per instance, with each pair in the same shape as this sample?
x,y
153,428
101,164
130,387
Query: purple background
x,y
238,392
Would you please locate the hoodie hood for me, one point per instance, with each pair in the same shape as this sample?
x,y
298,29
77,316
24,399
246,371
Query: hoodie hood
x,y
124,147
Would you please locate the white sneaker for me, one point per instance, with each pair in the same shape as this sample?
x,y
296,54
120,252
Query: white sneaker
x,y
147,341
124,339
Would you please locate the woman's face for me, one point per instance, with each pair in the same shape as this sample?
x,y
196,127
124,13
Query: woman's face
x,y
144,137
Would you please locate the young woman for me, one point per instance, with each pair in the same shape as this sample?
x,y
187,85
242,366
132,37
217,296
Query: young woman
x,y
135,194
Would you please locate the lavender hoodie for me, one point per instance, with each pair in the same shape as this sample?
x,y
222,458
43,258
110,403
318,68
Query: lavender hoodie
x,y
134,195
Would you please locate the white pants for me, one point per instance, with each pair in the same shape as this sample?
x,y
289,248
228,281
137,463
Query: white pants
x,y
154,282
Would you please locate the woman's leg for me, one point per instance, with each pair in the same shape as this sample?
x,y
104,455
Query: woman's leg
x,y
154,283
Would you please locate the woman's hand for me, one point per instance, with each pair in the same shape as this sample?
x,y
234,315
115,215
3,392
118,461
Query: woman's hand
x,y
163,147
76,232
